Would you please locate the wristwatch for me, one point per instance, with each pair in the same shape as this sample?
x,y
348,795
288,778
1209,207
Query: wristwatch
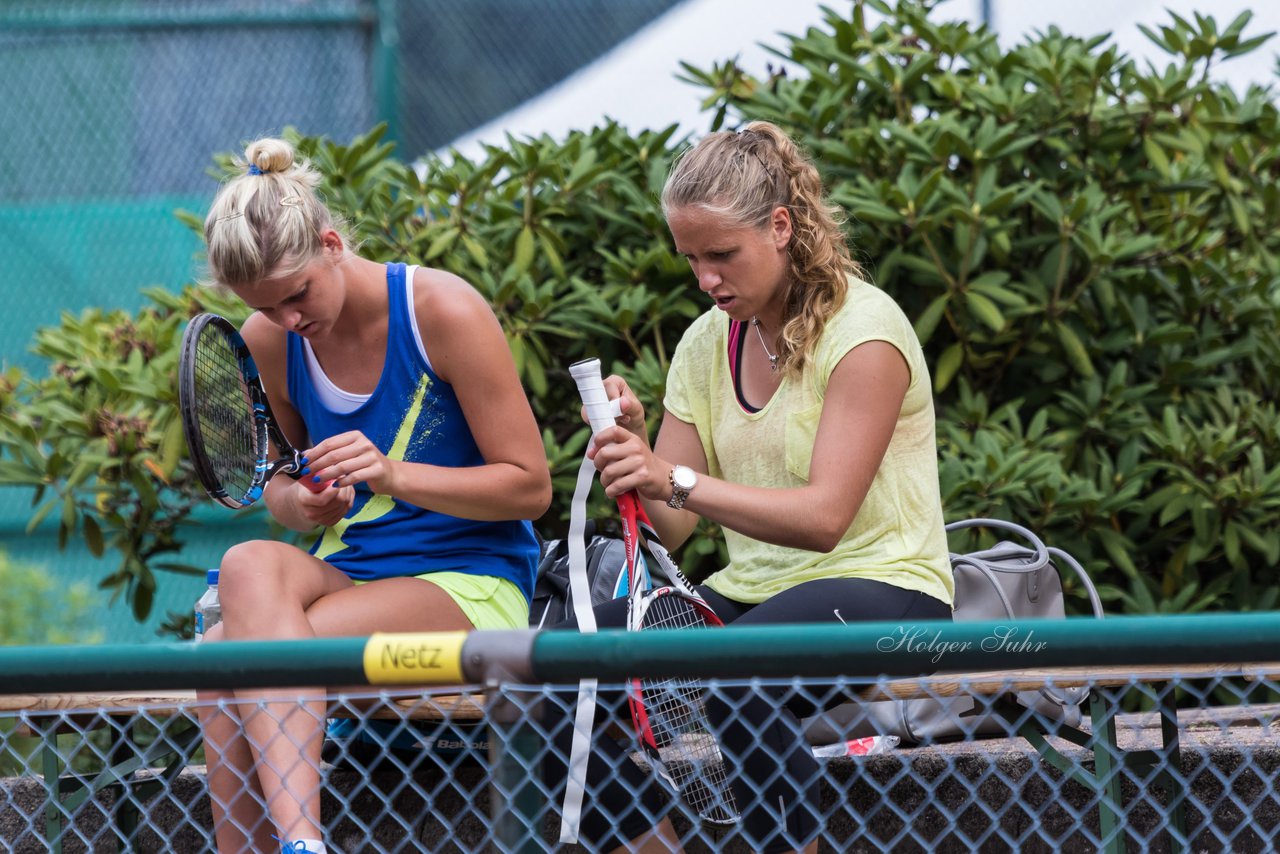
x,y
683,480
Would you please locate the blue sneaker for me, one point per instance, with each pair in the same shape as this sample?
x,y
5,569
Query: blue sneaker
x,y
298,847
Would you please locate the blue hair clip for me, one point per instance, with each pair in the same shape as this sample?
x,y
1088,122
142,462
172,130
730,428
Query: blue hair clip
x,y
254,170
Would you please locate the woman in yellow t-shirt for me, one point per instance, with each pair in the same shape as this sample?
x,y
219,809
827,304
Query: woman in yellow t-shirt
x,y
799,417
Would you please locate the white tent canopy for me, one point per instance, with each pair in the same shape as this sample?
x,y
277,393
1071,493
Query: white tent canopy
x,y
636,82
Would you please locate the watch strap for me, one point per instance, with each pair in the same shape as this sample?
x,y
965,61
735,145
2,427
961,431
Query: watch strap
x,y
679,494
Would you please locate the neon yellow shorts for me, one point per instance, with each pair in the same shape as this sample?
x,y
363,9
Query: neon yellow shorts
x,y
487,601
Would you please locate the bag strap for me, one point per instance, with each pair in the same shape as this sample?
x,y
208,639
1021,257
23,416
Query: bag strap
x,y
1094,600
1039,552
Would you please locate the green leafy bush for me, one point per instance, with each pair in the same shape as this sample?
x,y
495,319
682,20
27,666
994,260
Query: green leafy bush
x,y
98,439
35,610
1083,245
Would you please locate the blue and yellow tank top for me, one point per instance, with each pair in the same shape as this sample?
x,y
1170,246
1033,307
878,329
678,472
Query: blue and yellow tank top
x,y
413,416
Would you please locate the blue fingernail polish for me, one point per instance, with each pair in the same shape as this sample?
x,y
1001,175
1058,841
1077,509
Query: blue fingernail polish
x,y
335,484
306,471
305,461
316,479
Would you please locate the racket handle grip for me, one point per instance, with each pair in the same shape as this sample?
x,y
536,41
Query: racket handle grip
x,y
295,472
601,412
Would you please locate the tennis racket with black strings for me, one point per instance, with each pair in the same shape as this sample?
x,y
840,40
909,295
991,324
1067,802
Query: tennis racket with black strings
x,y
668,714
226,418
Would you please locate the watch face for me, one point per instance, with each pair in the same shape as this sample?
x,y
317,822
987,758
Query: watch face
x,y
684,477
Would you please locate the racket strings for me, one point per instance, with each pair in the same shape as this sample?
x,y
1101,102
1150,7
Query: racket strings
x,y
673,703
224,410
691,760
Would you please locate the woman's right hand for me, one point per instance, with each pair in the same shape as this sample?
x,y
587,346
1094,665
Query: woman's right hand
x,y
622,454
626,463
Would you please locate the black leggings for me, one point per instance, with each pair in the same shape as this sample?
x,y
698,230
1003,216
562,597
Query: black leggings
x,y
775,776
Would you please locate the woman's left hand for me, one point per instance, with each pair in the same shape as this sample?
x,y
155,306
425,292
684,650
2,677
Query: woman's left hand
x,y
350,458
625,463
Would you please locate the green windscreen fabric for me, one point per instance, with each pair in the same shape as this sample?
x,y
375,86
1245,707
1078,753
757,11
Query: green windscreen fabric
x,y
65,256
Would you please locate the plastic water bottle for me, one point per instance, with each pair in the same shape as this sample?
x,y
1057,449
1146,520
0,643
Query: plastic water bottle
x,y
208,609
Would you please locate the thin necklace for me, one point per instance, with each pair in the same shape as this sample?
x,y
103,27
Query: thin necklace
x,y
773,357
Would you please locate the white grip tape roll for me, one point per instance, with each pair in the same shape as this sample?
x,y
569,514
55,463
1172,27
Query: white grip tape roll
x,y
601,412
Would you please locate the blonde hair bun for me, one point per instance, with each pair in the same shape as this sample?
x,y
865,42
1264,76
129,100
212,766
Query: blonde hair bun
x,y
270,155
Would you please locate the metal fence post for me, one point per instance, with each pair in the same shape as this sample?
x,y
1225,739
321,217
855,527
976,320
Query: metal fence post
x,y
501,660
515,754
386,58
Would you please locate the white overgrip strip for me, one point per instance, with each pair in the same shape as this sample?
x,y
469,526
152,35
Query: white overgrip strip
x,y
585,708
601,413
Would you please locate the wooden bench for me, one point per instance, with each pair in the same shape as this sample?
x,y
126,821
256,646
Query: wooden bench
x,y
163,704
1101,736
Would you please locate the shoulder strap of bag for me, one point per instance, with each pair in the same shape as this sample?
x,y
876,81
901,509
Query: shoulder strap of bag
x,y
1094,600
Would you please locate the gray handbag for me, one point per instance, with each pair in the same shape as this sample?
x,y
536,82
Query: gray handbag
x,y
1005,582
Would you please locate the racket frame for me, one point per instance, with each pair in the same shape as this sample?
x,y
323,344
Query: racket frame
x,y
266,431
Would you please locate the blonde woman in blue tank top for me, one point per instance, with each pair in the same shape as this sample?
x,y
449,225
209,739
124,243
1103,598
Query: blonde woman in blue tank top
x,y
399,382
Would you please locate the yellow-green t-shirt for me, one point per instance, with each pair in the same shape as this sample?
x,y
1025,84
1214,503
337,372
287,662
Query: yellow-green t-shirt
x,y
897,536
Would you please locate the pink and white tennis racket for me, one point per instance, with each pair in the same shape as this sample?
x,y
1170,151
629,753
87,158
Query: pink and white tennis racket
x,y
668,714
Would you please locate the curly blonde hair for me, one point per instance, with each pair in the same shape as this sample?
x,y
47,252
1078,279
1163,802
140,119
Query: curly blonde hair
x,y
267,222
743,177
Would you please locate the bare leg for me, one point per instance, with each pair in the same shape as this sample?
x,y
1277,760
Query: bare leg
x,y
234,793
275,591
286,738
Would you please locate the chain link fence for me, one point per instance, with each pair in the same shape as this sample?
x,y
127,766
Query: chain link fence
x,y
1161,757
112,111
